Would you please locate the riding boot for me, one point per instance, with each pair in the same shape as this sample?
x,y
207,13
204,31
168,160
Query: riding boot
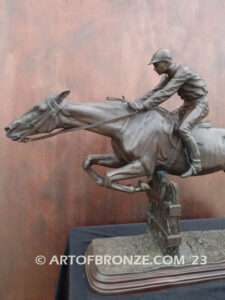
x,y
194,155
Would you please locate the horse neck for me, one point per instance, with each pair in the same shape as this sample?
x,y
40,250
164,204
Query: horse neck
x,y
74,114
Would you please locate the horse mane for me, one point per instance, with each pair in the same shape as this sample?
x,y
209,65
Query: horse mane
x,y
164,112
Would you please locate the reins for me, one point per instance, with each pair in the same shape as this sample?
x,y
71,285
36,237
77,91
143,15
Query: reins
x,y
54,109
100,123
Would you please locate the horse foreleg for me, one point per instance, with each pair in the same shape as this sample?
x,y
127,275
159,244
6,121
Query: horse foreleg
x,y
106,160
132,170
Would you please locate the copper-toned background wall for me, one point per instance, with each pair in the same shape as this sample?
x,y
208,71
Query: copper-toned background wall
x,y
95,48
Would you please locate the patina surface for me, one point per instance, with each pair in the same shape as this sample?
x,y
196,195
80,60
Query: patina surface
x,y
142,142
191,88
137,263
197,248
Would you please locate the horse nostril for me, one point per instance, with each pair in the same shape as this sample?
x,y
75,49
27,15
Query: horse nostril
x,y
6,129
15,138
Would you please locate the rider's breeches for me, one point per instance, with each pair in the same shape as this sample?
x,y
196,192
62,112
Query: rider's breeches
x,y
189,116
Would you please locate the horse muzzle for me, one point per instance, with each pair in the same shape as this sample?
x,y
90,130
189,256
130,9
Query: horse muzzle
x,y
12,135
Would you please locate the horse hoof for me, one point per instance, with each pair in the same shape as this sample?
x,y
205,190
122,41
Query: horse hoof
x,y
132,189
99,181
106,181
86,164
187,174
145,186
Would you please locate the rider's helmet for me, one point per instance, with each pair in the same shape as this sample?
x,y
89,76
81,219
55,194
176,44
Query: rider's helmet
x,y
161,55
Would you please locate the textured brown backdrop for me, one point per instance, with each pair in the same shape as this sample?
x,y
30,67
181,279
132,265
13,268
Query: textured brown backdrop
x,y
95,48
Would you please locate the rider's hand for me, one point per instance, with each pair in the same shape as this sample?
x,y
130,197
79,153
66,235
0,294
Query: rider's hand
x,y
139,103
136,106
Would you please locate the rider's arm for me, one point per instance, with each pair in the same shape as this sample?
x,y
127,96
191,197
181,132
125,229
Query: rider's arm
x,y
169,89
159,86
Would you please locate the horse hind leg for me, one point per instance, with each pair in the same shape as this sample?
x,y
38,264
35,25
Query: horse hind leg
x,y
132,170
106,160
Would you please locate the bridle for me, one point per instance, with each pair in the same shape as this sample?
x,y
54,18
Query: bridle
x,y
52,113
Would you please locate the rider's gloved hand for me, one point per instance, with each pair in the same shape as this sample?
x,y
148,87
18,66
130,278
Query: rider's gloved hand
x,y
136,105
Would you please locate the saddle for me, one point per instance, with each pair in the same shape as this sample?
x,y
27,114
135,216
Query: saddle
x,y
171,126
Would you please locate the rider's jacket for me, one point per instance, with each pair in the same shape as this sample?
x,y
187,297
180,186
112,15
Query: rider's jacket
x,y
186,82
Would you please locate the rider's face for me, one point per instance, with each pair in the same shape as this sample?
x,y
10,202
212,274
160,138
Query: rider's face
x,y
161,67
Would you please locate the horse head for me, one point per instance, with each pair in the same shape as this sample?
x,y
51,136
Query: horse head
x,y
42,118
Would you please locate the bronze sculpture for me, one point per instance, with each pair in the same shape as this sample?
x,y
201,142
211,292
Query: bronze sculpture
x,y
142,142
147,140
191,88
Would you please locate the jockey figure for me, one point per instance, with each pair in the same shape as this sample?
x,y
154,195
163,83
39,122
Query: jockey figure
x,y
191,88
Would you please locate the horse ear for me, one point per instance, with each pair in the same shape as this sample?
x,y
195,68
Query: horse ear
x,y
61,96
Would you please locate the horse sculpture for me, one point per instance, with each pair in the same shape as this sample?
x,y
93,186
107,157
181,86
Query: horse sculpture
x,y
142,142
